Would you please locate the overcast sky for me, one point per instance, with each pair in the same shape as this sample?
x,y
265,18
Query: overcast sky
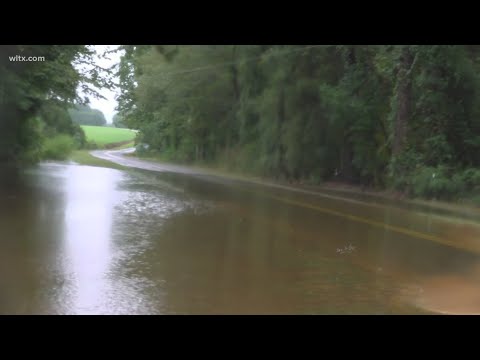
x,y
108,105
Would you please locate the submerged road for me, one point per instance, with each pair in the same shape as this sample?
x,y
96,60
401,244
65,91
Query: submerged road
x,y
118,156
446,274
167,239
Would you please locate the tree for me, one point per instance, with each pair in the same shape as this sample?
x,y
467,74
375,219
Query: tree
x,y
370,115
25,86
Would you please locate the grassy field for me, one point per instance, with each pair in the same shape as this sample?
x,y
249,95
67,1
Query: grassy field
x,y
102,135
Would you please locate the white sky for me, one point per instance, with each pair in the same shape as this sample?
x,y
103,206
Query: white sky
x,y
107,106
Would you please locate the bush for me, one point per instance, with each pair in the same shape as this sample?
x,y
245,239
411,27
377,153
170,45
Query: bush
x,y
58,147
141,149
401,168
79,136
91,145
471,178
436,182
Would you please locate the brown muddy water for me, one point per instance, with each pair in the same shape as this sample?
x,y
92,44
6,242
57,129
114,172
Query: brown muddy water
x,y
86,240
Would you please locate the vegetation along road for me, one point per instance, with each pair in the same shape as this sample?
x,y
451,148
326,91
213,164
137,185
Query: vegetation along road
x,y
266,179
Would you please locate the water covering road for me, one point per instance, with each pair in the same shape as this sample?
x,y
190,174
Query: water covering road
x,y
163,239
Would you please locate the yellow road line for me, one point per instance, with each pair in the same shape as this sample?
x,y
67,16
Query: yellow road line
x,y
378,224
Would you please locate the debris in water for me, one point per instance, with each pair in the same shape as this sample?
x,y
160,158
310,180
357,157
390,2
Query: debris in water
x,y
347,249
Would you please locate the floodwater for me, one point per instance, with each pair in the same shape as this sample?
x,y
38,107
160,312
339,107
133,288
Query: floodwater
x,y
87,240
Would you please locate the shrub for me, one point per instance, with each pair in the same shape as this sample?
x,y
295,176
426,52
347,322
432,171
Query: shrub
x,y
471,178
436,182
58,147
79,136
91,145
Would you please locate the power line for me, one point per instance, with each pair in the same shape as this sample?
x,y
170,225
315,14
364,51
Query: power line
x,y
227,63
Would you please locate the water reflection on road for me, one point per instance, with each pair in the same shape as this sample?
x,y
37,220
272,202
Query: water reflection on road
x,y
84,240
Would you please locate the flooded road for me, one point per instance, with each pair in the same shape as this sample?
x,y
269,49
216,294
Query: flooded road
x,y
86,240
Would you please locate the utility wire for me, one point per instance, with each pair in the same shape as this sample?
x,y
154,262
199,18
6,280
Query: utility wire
x,y
208,67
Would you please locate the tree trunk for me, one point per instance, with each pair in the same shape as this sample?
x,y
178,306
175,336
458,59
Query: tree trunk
x,y
404,99
351,56
236,87
9,133
281,120
236,93
346,163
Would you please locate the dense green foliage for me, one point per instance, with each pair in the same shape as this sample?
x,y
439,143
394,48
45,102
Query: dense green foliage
x,y
34,96
56,120
405,116
84,115
58,135
58,147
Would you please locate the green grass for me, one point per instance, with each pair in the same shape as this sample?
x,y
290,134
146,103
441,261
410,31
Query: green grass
x,y
83,157
125,146
103,135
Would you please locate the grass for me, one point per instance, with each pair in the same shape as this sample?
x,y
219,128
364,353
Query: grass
x,y
83,157
463,206
124,146
102,135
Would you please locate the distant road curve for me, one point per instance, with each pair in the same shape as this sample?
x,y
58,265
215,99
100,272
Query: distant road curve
x,y
118,157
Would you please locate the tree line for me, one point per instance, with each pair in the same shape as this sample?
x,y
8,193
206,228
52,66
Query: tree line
x,y
399,116
388,116
85,115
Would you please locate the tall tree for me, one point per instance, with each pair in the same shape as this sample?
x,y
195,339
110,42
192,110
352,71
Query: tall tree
x,y
371,115
26,85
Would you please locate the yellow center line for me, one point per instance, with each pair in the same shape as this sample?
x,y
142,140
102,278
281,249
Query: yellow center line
x,y
378,224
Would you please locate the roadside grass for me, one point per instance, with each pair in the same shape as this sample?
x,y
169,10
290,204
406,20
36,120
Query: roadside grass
x,y
83,157
124,146
463,206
